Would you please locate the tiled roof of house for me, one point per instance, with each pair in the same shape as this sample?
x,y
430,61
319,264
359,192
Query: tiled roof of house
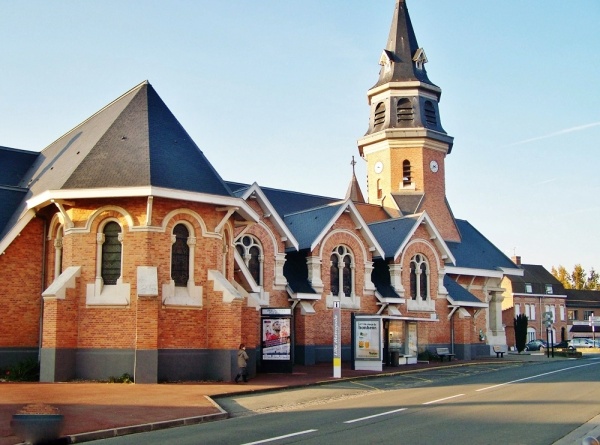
x,y
392,233
583,298
307,225
538,277
458,294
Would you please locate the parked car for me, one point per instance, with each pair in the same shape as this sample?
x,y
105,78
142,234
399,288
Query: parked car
x,y
565,344
582,343
536,345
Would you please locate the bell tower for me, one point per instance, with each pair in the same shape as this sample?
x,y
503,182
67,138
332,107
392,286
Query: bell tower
x,y
405,145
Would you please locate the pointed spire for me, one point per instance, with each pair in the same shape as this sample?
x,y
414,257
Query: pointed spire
x,y
402,59
354,193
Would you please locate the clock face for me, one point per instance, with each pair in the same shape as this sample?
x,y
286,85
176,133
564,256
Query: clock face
x,y
433,165
378,167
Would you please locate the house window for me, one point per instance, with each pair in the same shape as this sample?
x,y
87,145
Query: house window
x,y
405,111
430,116
419,278
531,334
528,288
532,311
571,315
549,289
111,253
379,117
180,256
517,310
342,272
250,250
562,312
587,315
406,173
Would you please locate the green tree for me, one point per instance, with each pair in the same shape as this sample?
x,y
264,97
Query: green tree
x,y
521,332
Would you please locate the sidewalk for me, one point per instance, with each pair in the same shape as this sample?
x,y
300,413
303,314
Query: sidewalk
x,y
100,410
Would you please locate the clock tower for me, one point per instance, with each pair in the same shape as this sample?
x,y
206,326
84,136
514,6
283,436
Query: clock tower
x,y
405,145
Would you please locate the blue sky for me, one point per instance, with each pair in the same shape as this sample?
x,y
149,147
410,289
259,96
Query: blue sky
x,y
275,92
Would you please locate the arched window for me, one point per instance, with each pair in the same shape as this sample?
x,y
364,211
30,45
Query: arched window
x,y
419,277
404,111
342,272
379,117
111,253
58,252
430,115
379,190
406,173
250,250
180,256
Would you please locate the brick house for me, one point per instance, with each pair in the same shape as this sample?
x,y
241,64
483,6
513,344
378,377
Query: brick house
x,y
534,294
123,250
581,305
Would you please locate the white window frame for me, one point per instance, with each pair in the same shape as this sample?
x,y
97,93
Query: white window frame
x,y
246,256
420,304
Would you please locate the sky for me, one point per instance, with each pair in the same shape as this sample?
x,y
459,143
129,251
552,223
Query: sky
x,y
274,92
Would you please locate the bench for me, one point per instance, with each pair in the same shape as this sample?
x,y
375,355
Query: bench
x,y
444,352
499,350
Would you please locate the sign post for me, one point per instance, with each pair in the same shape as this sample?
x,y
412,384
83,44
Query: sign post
x,y
548,320
337,340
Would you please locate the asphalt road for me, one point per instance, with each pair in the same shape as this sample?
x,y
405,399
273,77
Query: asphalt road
x,y
479,404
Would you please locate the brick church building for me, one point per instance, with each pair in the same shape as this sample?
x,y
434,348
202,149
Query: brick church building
x,y
123,250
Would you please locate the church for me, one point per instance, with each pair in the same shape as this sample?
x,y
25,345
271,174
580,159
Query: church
x,y
122,249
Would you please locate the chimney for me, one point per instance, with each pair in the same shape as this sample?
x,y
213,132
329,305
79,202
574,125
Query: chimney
x,y
517,260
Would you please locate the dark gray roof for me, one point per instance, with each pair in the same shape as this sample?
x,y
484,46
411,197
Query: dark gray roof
x,y
476,251
538,277
13,166
287,202
295,270
382,280
401,48
392,233
581,298
408,203
134,141
458,293
308,224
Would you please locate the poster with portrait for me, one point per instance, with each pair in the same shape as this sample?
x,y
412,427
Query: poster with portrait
x,y
276,343
367,339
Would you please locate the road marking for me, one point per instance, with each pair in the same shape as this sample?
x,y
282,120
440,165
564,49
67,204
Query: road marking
x,y
280,437
441,400
535,376
376,415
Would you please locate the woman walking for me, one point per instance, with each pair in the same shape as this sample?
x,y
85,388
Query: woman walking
x,y
242,358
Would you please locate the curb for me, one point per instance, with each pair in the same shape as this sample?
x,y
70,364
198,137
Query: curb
x,y
153,426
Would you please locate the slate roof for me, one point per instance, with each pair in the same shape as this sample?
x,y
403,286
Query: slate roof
x,y
583,298
401,47
538,277
458,294
308,224
381,279
391,234
408,204
13,166
476,251
134,141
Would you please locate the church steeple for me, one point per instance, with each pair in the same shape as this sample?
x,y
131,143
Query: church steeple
x,y
354,193
402,59
405,145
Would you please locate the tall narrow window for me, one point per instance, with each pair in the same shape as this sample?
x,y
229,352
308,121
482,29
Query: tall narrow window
x,y
405,111
379,117
58,252
379,190
342,272
406,173
430,116
250,250
111,253
419,277
180,256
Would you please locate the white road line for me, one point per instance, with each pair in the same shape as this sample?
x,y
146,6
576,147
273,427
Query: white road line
x,y
441,400
280,437
376,415
535,376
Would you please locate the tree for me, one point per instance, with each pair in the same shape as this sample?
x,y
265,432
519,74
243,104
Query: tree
x,y
593,280
563,276
578,277
521,332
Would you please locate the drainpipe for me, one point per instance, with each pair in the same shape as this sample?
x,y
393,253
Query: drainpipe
x,y
43,282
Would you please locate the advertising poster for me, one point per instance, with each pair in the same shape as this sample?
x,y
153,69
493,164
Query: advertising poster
x,y
276,339
368,339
